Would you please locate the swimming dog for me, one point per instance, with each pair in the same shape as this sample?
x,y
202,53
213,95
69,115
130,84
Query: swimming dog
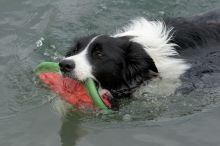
x,y
144,56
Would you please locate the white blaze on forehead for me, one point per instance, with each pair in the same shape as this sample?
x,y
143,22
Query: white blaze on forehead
x,y
83,68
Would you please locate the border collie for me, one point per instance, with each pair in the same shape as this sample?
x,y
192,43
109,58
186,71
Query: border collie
x,y
144,56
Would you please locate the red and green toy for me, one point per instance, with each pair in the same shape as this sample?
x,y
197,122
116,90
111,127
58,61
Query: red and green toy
x,y
79,94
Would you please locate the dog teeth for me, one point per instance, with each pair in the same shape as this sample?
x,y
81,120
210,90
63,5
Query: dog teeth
x,y
104,93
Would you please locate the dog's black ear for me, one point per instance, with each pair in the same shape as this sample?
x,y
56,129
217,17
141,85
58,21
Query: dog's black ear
x,y
138,65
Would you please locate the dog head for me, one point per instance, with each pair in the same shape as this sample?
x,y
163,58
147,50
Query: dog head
x,y
114,63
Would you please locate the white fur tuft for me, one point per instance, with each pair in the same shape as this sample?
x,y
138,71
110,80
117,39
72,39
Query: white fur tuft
x,y
155,37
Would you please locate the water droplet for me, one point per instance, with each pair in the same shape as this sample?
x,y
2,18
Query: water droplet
x,y
39,43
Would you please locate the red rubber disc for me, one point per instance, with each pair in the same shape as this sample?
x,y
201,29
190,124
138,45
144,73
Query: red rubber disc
x,y
70,90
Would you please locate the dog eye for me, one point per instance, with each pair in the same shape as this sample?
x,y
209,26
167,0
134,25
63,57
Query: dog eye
x,y
98,53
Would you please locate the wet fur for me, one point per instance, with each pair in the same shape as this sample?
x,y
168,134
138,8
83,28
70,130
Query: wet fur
x,y
144,56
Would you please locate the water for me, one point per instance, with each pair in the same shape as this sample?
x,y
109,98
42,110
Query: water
x,y
35,31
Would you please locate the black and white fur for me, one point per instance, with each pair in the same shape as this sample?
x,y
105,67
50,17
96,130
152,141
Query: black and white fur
x,y
144,56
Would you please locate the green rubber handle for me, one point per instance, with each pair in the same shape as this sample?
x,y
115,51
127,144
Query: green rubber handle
x,y
47,67
90,87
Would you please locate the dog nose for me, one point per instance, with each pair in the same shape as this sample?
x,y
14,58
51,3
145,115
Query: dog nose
x,y
66,65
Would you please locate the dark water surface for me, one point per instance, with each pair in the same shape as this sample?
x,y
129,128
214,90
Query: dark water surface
x,y
26,114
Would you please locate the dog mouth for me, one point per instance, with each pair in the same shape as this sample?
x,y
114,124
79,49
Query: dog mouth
x,y
103,93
